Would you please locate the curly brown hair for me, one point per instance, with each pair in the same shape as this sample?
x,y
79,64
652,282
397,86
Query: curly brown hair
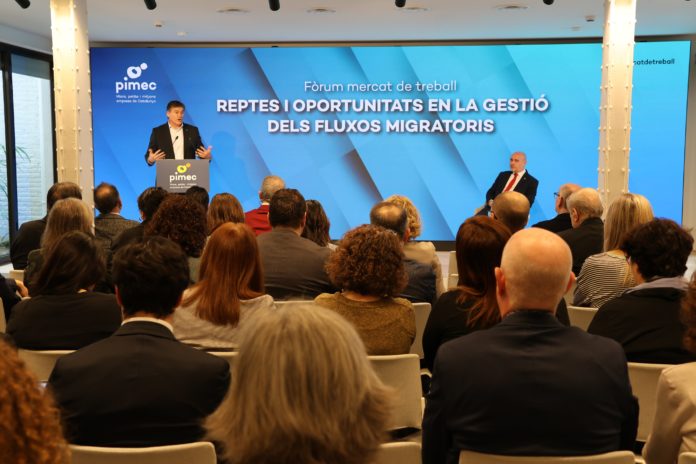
x,y
688,315
30,431
182,221
660,248
370,261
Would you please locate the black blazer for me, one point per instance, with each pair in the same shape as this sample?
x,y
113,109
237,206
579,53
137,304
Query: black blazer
x,y
161,139
584,241
529,386
527,186
139,387
558,224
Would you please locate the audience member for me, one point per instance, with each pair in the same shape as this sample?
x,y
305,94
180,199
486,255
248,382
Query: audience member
x,y
148,203
421,278
257,218
303,392
645,319
512,209
229,291
199,195
607,275
63,312
472,305
29,234
66,216
317,225
369,268
224,208
562,220
109,224
587,235
30,431
11,292
141,387
182,221
423,252
293,266
529,386
674,427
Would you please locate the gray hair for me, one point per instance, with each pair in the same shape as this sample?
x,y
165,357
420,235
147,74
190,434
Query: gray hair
x,y
586,202
270,185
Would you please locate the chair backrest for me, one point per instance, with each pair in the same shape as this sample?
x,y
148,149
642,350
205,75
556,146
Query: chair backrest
x,y
580,316
402,373
687,458
16,274
41,363
644,378
401,452
422,312
228,356
452,281
452,265
294,303
189,453
615,457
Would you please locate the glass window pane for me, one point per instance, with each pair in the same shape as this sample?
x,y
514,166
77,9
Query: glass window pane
x,y
4,203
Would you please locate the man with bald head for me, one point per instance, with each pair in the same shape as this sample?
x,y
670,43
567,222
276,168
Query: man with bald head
x,y
586,238
516,179
562,220
257,218
529,386
512,209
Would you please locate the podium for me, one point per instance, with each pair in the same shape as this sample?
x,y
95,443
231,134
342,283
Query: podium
x,y
177,176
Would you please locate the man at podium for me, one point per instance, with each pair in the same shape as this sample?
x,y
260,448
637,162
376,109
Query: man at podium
x,y
174,139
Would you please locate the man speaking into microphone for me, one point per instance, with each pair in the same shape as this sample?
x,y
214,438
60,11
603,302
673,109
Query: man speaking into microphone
x,y
174,139
517,179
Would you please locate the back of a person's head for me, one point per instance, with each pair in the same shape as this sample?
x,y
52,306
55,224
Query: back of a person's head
x,y
66,215
660,248
73,263
479,248
230,271
269,186
199,195
181,220
150,199
150,276
61,190
303,391
413,216
390,216
586,202
624,213
512,209
30,431
566,190
369,260
536,264
106,198
224,207
317,224
287,209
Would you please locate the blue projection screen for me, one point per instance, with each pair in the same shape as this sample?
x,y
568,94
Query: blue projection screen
x,y
349,126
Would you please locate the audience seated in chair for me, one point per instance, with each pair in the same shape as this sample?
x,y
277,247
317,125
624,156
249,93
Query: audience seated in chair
x,y
109,224
302,391
148,203
317,225
141,387
257,218
529,385
224,208
645,319
512,209
562,220
369,268
586,238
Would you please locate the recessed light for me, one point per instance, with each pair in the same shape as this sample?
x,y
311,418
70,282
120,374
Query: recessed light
x,y
233,11
321,10
181,34
511,7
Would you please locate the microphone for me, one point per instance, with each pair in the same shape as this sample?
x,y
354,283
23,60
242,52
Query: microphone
x,y
175,139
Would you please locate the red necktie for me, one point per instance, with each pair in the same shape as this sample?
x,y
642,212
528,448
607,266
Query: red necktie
x,y
511,183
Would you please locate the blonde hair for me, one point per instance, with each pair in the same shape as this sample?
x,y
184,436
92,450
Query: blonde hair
x,y
303,391
414,220
624,213
65,216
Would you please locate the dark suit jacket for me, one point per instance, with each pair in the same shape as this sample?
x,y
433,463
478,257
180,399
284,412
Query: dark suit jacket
x,y
584,241
421,282
293,266
161,139
527,186
529,386
128,236
28,239
109,226
257,219
558,224
139,387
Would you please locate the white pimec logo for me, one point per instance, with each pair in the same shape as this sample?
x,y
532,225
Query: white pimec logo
x,y
134,72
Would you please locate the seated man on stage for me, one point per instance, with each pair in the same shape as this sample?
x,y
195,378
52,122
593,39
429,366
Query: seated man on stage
x,y
174,139
517,179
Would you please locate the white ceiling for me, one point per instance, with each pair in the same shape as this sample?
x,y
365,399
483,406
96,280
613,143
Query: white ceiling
x,y
352,20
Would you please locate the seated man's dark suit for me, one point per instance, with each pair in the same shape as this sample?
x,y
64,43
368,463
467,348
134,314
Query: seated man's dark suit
x,y
28,239
161,139
558,224
527,186
421,282
109,226
257,219
293,266
529,386
140,387
584,241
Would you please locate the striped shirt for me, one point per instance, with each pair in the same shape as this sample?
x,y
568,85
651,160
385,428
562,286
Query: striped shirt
x,y
603,276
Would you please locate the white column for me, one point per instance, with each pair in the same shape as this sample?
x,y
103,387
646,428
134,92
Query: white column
x,y
616,90
73,100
